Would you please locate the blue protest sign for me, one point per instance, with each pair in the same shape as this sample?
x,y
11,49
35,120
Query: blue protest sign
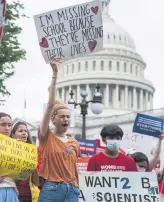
x,y
148,125
87,147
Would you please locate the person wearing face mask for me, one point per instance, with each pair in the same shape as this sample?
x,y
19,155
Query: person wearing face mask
x,y
141,161
59,151
111,159
143,164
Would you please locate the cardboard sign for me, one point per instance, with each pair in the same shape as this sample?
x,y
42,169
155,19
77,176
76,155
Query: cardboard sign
x,y
2,16
148,125
17,159
118,187
70,32
87,147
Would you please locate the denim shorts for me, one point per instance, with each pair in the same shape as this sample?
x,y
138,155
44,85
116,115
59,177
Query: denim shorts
x,y
59,192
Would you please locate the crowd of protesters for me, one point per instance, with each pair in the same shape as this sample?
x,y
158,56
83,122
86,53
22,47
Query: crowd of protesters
x,y
57,175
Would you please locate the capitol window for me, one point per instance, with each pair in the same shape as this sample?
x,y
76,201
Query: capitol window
x,y
86,66
110,65
131,69
94,65
72,68
118,66
102,65
136,70
125,67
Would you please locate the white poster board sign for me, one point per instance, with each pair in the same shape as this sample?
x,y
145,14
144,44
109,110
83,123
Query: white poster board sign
x,y
118,187
70,32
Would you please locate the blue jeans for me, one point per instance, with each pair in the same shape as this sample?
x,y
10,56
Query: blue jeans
x,y
8,194
59,192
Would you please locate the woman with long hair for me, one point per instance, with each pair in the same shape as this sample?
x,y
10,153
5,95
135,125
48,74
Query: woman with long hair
x,y
20,132
8,190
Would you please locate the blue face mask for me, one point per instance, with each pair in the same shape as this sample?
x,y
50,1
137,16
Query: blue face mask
x,y
113,145
141,169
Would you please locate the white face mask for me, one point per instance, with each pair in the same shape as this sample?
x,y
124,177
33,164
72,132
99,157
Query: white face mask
x,y
113,145
141,169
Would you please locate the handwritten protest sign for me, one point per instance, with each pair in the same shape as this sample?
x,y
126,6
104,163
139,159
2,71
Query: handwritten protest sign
x,y
17,159
148,125
70,32
2,16
118,187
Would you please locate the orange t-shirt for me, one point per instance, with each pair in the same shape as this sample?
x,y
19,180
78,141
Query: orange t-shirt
x,y
59,159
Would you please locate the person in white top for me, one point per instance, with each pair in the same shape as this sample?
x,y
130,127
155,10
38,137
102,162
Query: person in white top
x,y
8,191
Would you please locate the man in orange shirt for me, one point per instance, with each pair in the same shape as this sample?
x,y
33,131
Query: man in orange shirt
x,y
59,152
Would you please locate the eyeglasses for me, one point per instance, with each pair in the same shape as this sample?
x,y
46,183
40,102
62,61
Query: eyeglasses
x,y
6,124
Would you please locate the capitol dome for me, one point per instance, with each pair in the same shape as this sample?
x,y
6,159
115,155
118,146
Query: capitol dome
x,y
113,33
118,68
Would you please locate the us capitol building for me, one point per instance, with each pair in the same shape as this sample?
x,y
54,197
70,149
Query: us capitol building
x,y
119,70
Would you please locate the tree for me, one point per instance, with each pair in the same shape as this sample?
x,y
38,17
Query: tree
x,y
10,50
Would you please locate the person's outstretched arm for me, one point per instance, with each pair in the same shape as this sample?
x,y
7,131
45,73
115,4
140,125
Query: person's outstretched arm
x,y
51,100
157,151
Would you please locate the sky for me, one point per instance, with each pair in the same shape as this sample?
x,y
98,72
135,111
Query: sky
x,y
143,19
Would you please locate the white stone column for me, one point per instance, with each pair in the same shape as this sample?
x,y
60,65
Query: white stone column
x,y
116,96
122,98
151,101
146,100
141,99
126,97
106,96
134,98
78,93
89,92
69,89
130,98
63,94
68,93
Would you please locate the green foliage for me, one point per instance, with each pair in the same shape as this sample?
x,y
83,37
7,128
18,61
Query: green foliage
x,y
10,48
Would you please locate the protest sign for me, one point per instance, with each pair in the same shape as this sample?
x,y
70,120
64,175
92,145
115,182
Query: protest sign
x,y
118,187
87,147
2,16
148,125
70,32
17,159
